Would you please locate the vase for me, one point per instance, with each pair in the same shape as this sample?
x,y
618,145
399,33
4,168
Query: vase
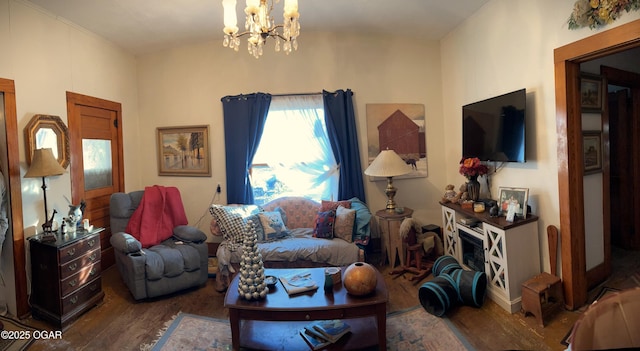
x,y
360,279
473,188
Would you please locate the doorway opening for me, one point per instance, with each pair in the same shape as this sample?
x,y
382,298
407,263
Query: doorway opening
x,y
567,60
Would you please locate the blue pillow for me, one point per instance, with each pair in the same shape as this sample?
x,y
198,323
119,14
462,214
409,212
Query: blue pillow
x,y
272,225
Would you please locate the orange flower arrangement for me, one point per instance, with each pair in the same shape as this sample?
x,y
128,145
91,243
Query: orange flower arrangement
x,y
472,167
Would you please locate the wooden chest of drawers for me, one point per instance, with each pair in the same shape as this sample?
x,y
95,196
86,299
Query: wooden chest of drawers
x,y
65,277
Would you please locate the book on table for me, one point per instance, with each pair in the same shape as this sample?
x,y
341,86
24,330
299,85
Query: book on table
x,y
331,330
314,342
298,282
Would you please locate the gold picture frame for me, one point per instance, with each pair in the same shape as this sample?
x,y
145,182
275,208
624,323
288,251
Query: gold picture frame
x,y
184,151
46,131
592,151
590,92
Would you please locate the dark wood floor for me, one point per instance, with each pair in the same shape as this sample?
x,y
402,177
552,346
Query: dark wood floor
x,y
119,323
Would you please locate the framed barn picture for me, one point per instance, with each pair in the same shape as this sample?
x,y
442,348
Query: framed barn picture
x,y
401,128
184,151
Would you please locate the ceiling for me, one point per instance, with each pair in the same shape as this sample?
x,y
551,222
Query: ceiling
x,y
146,26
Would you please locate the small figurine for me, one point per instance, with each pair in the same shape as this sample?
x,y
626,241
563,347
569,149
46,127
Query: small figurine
x,y
449,193
75,214
71,225
462,195
47,227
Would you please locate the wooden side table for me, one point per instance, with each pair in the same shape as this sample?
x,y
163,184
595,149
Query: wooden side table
x,y
389,223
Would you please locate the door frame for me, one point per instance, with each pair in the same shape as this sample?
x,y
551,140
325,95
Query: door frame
x,y
7,87
74,101
567,61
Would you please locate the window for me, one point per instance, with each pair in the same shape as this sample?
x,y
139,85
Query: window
x,y
294,157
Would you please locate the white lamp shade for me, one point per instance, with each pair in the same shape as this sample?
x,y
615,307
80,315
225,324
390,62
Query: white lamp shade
x,y
387,164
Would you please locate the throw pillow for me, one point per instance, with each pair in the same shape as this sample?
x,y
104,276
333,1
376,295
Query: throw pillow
x,y
272,225
282,214
333,205
325,222
255,218
345,220
230,223
230,220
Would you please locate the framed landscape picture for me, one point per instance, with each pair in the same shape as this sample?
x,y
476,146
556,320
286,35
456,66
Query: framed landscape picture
x,y
590,92
592,151
514,199
184,151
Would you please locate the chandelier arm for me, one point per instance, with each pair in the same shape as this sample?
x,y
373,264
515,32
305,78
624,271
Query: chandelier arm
x,y
242,34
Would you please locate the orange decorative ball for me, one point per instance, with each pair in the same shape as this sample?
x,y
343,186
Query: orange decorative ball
x,y
360,278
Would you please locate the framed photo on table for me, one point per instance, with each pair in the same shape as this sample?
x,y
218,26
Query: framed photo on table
x,y
184,151
514,199
590,92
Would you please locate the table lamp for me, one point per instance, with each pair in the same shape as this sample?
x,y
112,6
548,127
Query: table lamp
x,y
44,164
388,164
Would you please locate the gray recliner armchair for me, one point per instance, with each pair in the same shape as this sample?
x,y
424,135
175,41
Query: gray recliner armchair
x,y
177,263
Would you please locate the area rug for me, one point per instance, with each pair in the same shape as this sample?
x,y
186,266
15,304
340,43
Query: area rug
x,y
25,338
409,330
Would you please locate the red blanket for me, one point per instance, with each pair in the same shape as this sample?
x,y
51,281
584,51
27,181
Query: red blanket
x,y
159,212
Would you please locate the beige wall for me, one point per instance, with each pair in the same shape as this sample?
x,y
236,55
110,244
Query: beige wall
x,y
184,87
505,46
46,57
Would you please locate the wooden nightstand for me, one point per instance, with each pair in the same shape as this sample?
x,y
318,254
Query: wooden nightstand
x,y
66,276
389,223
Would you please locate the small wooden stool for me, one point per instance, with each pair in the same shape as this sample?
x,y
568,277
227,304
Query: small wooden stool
x,y
542,294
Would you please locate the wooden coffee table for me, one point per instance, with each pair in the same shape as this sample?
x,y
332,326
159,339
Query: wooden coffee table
x,y
274,322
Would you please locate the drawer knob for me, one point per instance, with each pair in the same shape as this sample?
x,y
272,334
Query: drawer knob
x,y
71,252
74,300
93,257
93,272
91,243
307,317
73,283
72,267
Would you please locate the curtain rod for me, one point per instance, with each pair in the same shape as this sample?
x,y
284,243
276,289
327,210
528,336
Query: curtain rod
x,y
297,94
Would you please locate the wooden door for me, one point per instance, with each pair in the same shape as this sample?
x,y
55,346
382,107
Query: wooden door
x,y
97,169
624,130
621,165
620,131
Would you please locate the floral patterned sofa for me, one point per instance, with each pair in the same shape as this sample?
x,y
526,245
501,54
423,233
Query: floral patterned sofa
x,y
296,241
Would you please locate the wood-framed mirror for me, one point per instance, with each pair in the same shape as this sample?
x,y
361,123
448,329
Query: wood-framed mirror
x,y
45,131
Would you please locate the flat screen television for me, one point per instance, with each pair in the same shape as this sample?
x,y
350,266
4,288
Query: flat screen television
x,y
494,129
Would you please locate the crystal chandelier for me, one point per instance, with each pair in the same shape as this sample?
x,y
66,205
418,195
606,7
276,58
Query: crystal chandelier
x,y
260,25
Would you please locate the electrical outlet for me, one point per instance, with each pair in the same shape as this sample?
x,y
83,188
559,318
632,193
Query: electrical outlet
x,y
218,189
